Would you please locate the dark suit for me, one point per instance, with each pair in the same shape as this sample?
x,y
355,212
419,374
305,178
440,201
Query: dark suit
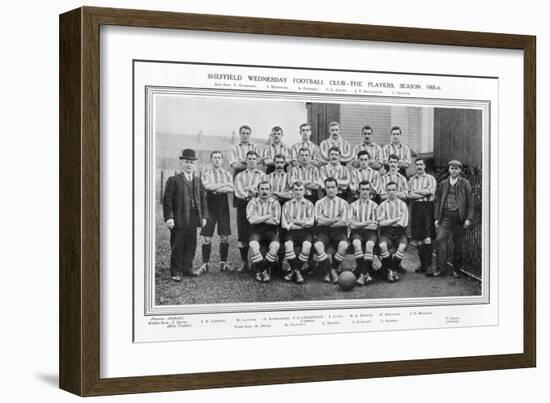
x,y
185,202
451,222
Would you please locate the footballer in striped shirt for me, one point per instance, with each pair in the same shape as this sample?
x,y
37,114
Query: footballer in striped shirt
x,y
331,214
246,185
314,151
297,220
365,173
393,175
237,158
396,148
375,151
306,173
280,180
335,140
264,215
422,187
393,216
276,147
364,231
334,169
218,183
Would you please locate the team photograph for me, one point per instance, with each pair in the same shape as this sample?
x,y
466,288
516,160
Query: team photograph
x,y
270,200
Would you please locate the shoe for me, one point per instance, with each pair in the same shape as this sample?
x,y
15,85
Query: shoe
x,y
360,280
299,277
266,277
225,267
420,269
176,278
327,279
368,278
259,277
334,276
436,273
200,270
244,267
392,276
289,276
204,268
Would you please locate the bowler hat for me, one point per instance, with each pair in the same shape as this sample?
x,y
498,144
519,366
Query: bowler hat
x,y
188,154
455,163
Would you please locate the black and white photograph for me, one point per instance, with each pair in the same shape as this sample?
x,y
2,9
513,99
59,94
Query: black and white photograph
x,y
282,191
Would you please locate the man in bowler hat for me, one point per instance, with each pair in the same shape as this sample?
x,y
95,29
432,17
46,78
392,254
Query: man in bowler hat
x,y
454,214
185,210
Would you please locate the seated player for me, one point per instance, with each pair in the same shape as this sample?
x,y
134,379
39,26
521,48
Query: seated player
x,y
297,221
364,231
365,173
264,215
334,169
331,214
393,217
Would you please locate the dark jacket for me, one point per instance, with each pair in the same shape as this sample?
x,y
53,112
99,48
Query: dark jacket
x,y
464,199
178,201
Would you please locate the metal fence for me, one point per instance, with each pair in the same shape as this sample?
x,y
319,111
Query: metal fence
x,y
471,246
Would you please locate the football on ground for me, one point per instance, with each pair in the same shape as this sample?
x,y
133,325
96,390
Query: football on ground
x,y
346,280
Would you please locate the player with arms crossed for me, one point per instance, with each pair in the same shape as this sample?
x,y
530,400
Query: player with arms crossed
x,y
402,152
335,140
246,187
277,147
393,217
237,159
364,231
218,184
314,151
306,173
297,221
264,215
394,176
280,180
375,151
365,173
334,169
331,214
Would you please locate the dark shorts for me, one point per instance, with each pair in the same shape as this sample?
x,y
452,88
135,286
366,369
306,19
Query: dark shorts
x,y
331,236
218,211
243,226
264,233
393,236
299,236
364,235
422,220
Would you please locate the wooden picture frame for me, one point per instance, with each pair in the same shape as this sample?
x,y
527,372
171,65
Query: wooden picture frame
x,y
80,199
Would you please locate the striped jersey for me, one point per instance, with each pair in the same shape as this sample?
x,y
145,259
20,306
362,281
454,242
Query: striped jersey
x,y
390,209
369,174
305,174
339,172
248,178
280,181
216,176
332,208
361,211
272,150
259,207
346,152
402,151
238,153
294,209
396,177
423,182
314,151
374,150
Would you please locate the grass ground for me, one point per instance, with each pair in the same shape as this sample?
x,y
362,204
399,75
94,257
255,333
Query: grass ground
x,y
223,287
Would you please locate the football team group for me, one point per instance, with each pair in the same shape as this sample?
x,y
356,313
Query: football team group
x,y
323,200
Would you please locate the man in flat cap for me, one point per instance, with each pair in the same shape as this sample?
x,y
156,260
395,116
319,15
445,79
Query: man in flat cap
x,y
453,214
185,209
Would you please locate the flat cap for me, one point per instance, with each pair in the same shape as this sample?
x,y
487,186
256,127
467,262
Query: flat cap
x,y
455,163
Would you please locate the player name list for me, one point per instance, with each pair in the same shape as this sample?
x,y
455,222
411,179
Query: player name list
x,y
256,324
